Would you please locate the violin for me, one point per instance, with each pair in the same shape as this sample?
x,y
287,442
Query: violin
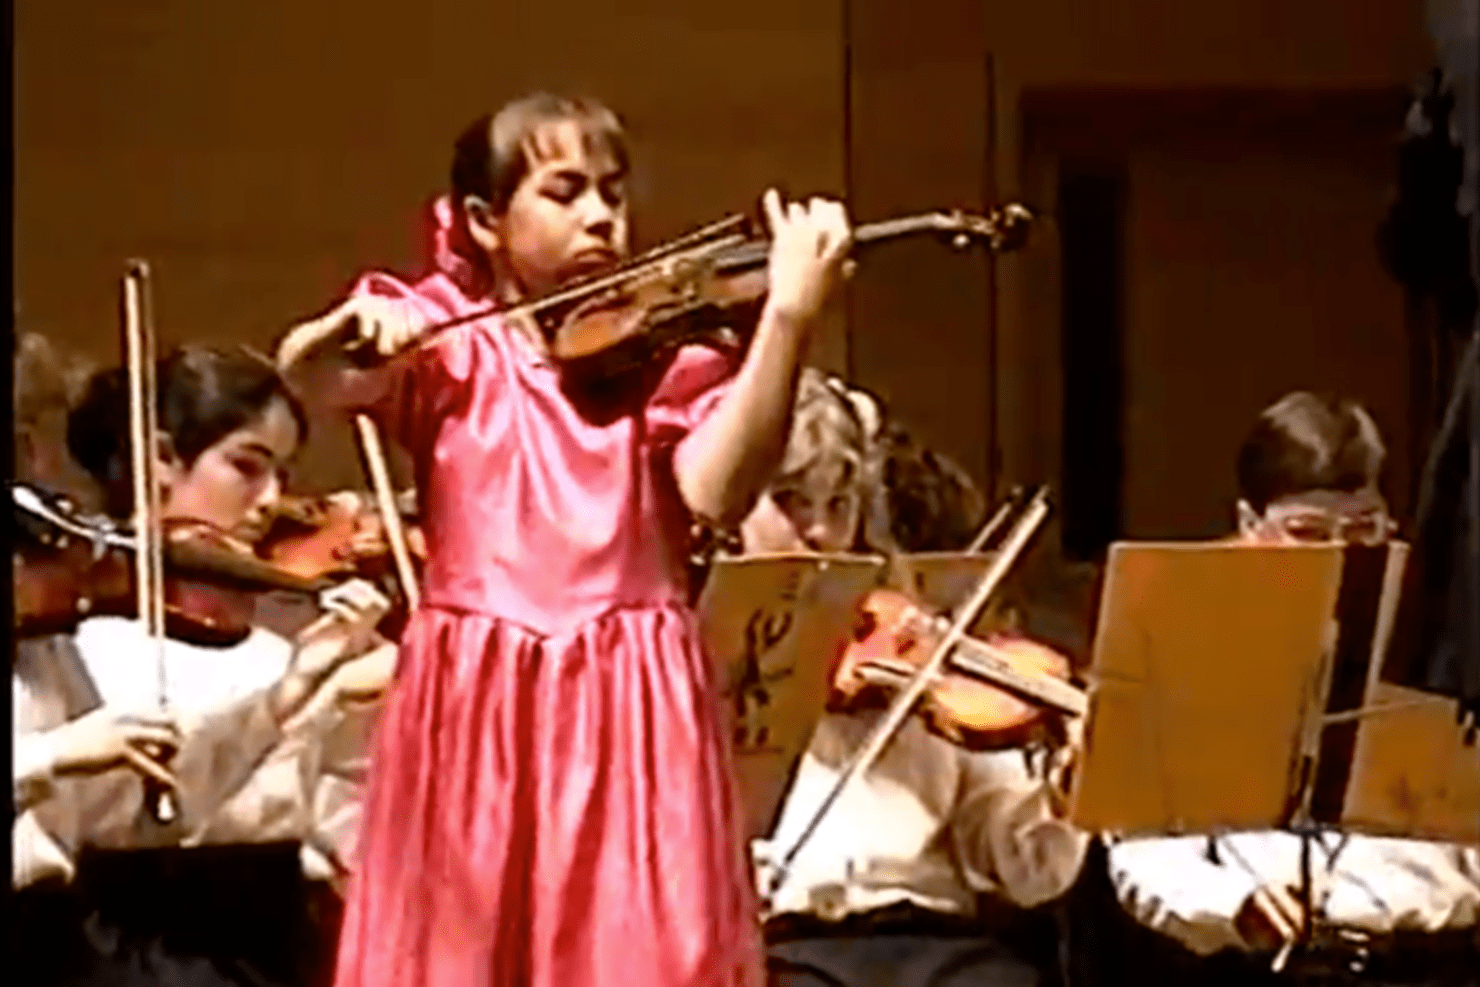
x,y
68,566
946,650
342,536
615,323
991,694
689,289
336,534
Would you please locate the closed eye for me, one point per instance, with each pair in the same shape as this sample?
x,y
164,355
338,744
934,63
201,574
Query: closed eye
x,y
564,188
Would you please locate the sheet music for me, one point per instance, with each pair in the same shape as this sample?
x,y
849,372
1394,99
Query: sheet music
x,y
774,626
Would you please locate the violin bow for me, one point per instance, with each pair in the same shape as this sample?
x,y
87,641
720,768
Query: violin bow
x,y
1003,229
910,693
139,347
1004,511
385,502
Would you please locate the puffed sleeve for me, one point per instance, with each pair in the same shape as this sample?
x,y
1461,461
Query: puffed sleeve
x,y
408,395
692,387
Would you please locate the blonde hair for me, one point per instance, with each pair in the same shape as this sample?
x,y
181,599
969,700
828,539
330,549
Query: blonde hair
x,y
827,426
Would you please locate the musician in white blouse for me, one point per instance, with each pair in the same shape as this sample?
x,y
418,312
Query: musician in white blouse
x,y
890,887
251,719
1309,471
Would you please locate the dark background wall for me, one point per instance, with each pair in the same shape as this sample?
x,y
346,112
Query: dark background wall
x,y
260,155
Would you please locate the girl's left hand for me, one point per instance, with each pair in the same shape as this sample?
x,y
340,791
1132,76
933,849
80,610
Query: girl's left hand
x,y
354,609
809,246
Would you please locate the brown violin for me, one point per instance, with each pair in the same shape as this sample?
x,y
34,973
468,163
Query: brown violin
x,y
342,536
67,566
993,694
334,535
690,289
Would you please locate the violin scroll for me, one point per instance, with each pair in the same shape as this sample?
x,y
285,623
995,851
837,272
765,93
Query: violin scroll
x,y
1002,229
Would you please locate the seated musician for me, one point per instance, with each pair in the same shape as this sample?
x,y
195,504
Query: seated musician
x,y
107,899
903,882
1309,472
76,742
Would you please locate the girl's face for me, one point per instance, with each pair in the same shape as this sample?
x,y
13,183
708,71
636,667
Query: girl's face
x,y
819,511
231,483
567,218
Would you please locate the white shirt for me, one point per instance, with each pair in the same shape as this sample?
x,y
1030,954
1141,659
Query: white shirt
x,y
1378,885
239,781
198,680
48,687
243,778
930,823
309,787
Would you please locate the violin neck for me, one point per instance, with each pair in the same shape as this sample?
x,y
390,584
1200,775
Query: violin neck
x,y
982,661
726,247
756,253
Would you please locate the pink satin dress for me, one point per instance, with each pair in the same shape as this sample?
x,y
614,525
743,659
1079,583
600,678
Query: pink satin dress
x,y
551,800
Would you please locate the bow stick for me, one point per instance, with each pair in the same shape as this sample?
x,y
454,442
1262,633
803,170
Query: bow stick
x,y
139,347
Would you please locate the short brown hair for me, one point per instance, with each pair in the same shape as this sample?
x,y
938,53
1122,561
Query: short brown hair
x,y
1306,441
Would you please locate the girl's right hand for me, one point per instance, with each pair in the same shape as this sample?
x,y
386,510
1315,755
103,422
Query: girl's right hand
x,y
382,324
107,738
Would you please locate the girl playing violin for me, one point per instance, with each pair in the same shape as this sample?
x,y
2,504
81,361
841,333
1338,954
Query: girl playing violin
x,y
105,738
551,800
891,887
241,774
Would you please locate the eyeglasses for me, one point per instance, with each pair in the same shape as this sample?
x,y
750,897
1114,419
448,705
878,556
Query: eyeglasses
x,y
1371,529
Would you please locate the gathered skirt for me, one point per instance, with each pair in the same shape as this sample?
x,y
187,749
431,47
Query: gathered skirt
x,y
551,812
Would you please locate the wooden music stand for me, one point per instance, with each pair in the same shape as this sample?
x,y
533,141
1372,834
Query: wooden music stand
x,y
775,625
1415,771
1238,687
